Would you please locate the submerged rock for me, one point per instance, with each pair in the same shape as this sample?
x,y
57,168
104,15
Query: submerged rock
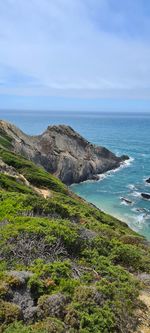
x,y
143,210
127,201
63,152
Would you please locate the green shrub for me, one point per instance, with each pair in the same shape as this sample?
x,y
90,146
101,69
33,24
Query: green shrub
x,y
9,312
100,320
18,327
128,255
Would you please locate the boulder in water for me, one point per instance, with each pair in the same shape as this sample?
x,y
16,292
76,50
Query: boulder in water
x,y
148,180
145,196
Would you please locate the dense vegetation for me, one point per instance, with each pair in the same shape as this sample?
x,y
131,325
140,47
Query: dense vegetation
x,y
66,266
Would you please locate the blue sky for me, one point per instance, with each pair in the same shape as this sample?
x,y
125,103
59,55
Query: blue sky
x,y
75,55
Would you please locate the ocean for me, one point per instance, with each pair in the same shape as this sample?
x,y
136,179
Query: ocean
x,y
121,133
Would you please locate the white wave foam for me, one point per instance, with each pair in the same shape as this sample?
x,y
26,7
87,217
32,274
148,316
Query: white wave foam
x,y
147,184
124,203
136,194
131,187
136,222
128,162
102,176
134,209
124,164
145,181
140,209
109,173
140,218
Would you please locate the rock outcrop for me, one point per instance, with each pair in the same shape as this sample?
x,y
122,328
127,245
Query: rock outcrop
x,y
148,180
63,152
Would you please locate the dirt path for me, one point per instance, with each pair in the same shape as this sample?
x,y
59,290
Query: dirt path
x,y
45,193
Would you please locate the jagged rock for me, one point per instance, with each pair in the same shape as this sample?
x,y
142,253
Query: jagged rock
x,y
54,305
145,196
63,152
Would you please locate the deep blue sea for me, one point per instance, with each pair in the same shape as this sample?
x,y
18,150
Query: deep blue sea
x,y
123,134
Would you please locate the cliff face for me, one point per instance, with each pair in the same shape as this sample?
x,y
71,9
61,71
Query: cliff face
x,y
63,152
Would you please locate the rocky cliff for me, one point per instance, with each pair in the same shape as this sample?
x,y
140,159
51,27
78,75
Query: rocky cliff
x,y
61,151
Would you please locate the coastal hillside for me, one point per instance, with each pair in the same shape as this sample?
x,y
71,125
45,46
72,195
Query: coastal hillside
x,y
66,267
61,151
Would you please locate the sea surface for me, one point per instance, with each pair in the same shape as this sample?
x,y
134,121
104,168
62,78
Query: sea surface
x,y
121,133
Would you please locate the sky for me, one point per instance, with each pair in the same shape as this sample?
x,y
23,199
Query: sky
x,y
75,55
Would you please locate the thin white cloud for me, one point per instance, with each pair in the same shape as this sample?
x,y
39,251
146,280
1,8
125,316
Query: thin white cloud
x,y
67,52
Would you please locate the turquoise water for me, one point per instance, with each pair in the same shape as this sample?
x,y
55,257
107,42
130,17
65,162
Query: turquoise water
x,y
123,134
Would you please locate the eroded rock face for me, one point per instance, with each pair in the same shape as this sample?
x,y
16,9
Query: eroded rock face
x,y
63,152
